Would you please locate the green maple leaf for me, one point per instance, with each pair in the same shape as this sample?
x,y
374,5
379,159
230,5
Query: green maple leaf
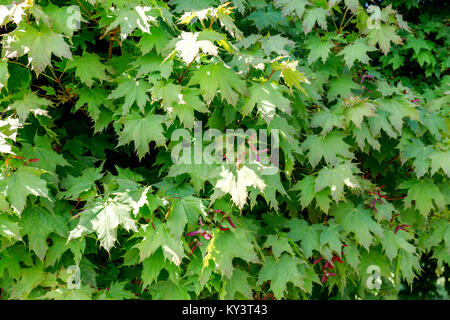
x,y
9,228
399,107
25,181
280,272
328,147
142,130
288,7
393,242
235,182
341,87
129,19
335,178
266,18
156,236
425,195
409,264
184,211
356,51
267,97
157,39
440,159
222,250
383,36
167,290
88,67
192,5
278,245
357,109
47,223
104,217
420,152
133,91
94,99
313,16
358,221
276,44
237,284
300,230
31,102
306,188
42,150
318,48
63,19
216,77
188,46
151,268
75,186
39,45
330,237
364,134
152,63
327,120
4,74
30,278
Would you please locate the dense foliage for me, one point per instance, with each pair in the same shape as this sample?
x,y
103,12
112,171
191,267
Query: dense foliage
x,y
354,93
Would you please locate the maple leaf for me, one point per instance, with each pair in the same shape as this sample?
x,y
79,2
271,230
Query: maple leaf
x,y
192,5
237,284
221,250
280,272
38,44
335,178
440,159
158,236
383,36
63,19
356,51
77,185
327,119
184,211
188,46
392,242
31,102
104,217
356,109
278,245
129,19
132,90
47,222
42,150
358,221
276,44
318,48
327,147
94,99
152,63
4,74
217,77
267,97
300,230
9,228
88,67
313,16
25,181
288,7
425,194
236,182
142,130
158,39
341,87
399,107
